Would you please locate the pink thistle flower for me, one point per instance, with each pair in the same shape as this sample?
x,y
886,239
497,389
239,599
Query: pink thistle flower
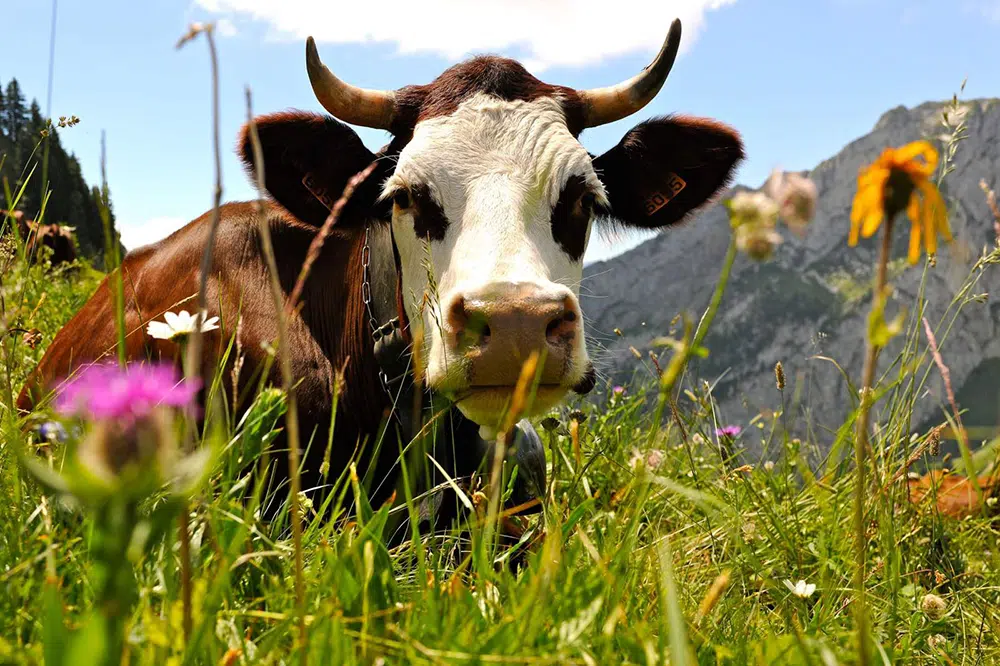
x,y
730,431
106,392
618,390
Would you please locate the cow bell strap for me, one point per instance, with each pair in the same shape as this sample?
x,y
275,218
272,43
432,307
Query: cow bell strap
x,y
391,339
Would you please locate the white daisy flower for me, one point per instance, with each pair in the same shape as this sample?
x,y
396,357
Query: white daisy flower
x,y
801,589
180,324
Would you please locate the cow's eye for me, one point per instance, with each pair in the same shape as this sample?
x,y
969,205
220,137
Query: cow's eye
x,y
401,198
588,201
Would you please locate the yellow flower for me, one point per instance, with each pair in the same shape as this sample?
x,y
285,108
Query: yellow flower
x,y
900,178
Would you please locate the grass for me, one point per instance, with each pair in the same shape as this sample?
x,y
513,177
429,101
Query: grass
x,y
629,555
658,543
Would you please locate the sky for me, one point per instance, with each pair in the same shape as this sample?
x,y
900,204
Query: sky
x,y
798,78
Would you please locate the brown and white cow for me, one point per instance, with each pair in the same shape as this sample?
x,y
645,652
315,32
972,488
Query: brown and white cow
x,y
484,198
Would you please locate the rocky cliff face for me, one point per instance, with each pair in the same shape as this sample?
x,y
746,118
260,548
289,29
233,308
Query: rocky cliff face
x,y
812,298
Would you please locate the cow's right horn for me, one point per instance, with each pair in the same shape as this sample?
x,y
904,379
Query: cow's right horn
x,y
357,106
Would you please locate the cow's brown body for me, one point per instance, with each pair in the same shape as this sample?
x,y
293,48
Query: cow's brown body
x,y
328,330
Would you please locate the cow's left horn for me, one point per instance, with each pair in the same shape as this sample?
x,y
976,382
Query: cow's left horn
x,y
357,106
606,105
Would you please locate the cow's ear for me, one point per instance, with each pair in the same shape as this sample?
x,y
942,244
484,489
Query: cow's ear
x,y
666,168
308,159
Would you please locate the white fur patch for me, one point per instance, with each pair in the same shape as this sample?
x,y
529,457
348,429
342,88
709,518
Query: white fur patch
x,y
497,169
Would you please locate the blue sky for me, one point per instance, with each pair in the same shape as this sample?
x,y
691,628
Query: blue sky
x,y
798,78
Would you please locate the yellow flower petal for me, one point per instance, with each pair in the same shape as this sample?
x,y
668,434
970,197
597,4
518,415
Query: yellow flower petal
x,y
907,155
852,238
914,254
874,177
872,221
864,201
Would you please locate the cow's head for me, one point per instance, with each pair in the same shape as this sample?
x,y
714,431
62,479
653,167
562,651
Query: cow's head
x,y
492,200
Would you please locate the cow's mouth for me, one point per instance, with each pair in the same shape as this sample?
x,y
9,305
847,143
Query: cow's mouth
x,y
485,404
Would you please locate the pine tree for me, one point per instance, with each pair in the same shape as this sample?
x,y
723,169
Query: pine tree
x,y
15,115
4,140
26,137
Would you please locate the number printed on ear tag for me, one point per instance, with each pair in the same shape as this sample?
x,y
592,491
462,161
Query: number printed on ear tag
x,y
658,200
317,190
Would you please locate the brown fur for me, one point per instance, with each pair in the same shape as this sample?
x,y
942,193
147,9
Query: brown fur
x,y
503,78
326,334
952,494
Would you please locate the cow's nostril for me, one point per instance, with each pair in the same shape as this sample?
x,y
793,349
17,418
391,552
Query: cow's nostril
x,y
457,316
561,329
468,324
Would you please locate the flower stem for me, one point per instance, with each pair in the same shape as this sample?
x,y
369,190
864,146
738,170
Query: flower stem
x,y
287,380
861,448
183,533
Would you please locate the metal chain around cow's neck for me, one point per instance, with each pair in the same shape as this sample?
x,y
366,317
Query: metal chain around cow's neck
x,y
366,285
381,332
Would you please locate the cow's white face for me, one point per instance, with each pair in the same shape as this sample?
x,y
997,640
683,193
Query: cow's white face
x,y
489,272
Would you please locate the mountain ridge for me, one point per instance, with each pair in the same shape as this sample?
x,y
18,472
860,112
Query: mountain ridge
x,y
812,298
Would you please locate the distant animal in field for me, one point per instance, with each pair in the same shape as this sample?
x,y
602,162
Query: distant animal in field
x,y
952,494
57,237
467,238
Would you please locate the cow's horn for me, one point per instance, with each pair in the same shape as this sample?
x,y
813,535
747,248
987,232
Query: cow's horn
x,y
357,106
606,105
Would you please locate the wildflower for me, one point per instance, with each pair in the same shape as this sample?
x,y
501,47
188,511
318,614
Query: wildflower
x,y
730,431
32,338
796,199
757,241
654,458
753,209
130,445
617,392
779,376
936,641
52,432
769,466
900,179
934,606
801,589
550,424
104,391
180,325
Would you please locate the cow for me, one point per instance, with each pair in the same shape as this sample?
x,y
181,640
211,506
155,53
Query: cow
x,y
466,241
57,237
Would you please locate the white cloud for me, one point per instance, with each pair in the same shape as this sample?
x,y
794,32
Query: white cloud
x,y
226,28
544,33
143,233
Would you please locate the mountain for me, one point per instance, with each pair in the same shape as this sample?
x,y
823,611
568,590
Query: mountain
x,y
812,298
26,139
